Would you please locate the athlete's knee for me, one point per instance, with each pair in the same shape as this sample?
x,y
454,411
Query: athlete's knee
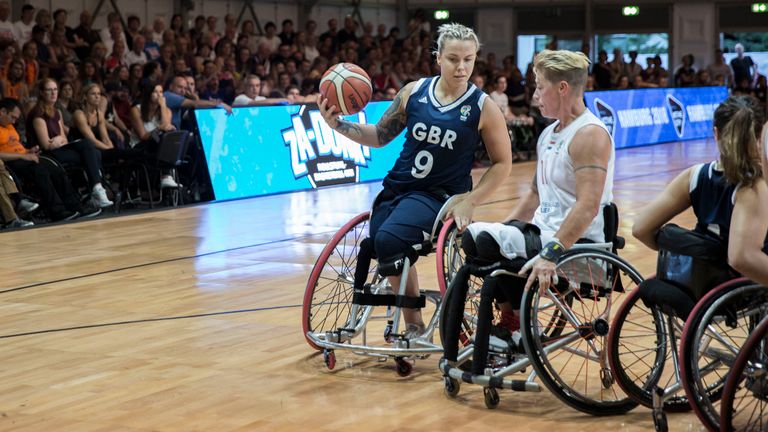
x,y
389,245
480,245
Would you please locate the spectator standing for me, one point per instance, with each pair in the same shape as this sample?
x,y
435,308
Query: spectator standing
x,y
685,76
744,68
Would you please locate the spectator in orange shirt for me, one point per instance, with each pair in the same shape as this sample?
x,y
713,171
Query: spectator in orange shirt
x,y
57,196
15,86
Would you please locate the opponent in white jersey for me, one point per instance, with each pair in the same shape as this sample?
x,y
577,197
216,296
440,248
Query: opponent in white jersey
x,y
574,176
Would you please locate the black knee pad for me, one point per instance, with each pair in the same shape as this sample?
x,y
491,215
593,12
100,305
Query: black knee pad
x,y
393,266
484,248
487,247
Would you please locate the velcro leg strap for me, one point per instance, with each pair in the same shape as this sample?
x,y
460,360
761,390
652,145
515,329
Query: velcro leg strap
x,y
411,302
367,299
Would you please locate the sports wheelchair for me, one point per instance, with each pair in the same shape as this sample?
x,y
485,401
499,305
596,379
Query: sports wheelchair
x,y
335,315
563,329
682,329
744,405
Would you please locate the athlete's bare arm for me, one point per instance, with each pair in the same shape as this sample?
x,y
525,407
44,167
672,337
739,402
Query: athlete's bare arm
x,y
590,153
389,126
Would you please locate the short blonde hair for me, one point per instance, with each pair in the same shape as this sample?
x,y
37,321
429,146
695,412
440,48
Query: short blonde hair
x,y
563,65
454,31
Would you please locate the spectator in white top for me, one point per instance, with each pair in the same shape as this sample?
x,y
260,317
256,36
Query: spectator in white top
x,y
7,30
23,27
106,33
251,96
158,27
115,34
499,97
270,37
137,54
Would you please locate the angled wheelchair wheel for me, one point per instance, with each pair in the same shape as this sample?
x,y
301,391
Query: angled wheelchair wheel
x,y
640,353
565,330
715,331
450,258
327,302
744,405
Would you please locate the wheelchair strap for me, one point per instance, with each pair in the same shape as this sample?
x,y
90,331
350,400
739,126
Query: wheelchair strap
x,y
532,235
367,299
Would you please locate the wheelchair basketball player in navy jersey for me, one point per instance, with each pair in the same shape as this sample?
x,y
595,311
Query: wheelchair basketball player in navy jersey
x,y
445,118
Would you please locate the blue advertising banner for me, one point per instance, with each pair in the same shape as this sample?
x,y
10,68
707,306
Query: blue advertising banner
x,y
651,116
272,149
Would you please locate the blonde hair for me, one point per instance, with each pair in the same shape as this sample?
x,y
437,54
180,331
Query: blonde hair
x,y
563,65
454,31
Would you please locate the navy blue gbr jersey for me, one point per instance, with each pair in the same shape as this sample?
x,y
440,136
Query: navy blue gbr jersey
x,y
440,142
712,199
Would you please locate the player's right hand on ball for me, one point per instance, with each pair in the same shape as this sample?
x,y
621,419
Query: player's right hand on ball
x,y
330,114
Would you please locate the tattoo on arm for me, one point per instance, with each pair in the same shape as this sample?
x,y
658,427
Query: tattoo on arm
x,y
597,167
392,122
347,128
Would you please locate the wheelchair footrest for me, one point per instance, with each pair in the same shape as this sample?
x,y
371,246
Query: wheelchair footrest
x,y
367,299
488,380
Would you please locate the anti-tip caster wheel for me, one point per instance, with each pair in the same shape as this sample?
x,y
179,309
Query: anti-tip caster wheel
x,y
452,387
491,397
404,367
330,359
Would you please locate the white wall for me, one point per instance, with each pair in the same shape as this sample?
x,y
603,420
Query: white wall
x,y
495,28
693,32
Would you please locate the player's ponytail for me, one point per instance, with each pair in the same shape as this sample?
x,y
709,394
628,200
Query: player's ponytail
x,y
736,121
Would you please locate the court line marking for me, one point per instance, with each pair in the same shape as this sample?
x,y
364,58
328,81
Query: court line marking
x,y
146,320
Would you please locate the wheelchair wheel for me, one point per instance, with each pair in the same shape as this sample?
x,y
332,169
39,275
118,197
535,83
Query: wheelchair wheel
x,y
565,330
715,331
328,297
450,257
640,354
745,396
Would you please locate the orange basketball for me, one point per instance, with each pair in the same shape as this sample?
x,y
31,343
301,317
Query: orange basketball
x,y
347,86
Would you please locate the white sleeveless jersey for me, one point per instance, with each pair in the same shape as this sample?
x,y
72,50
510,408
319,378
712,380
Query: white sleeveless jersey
x,y
556,180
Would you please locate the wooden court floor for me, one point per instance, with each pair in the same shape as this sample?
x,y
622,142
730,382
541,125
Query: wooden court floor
x,y
190,320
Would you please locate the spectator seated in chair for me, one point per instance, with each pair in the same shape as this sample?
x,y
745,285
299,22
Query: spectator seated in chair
x,y
150,118
57,197
46,130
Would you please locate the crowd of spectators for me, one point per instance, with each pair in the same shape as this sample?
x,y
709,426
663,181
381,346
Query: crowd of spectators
x,y
92,97
740,75
118,88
